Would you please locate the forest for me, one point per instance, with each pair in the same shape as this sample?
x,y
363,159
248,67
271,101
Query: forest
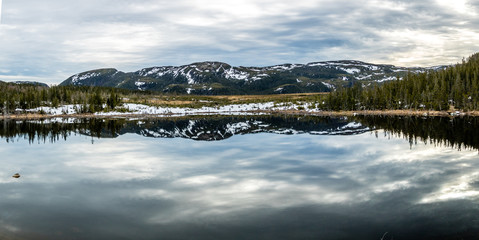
x,y
455,87
19,97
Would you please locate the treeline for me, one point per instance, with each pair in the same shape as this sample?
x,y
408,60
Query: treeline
x,y
20,97
456,86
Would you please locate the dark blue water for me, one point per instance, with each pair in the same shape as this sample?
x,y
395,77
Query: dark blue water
x,y
362,185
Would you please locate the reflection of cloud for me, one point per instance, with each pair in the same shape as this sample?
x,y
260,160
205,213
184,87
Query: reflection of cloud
x,y
170,181
368,168
8,231
458,189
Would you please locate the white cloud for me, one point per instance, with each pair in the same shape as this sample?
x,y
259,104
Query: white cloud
x,y
460,6
1,11
53,36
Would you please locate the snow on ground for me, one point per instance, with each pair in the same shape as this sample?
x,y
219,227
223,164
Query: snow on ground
x,y
141,109
62,110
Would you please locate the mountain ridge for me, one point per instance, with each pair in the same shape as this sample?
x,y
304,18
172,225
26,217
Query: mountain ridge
x,y
214,78
34,83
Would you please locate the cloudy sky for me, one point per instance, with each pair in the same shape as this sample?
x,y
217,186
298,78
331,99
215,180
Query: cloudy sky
x,y
51,40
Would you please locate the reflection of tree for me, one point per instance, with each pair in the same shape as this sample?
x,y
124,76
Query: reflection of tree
x,y
454,132
46,130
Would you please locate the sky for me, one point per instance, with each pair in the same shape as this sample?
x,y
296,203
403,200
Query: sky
x,y
51,40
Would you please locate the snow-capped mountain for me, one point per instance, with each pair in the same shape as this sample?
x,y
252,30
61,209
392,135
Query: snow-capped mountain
x,y
222,78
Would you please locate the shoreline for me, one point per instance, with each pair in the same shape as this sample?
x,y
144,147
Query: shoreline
x,y
395,113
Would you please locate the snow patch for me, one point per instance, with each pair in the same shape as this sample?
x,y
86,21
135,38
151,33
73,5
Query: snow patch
x,y
140,85
351,70
285,67
235,74
190,78
390,78
317,64
328,85
373,68
259,77
363,77
79,77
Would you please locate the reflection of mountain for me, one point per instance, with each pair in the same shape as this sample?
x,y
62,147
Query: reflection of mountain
x,y
222,128
196,128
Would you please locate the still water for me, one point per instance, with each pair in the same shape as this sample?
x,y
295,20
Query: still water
x,y
240,178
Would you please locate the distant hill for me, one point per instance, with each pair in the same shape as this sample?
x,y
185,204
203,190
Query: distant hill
x,y
213,78
32,83
40,84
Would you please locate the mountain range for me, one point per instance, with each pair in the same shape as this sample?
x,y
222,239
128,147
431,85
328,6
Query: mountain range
x,y
214,78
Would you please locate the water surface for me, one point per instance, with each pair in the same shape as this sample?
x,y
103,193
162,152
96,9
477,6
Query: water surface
x,y
238,178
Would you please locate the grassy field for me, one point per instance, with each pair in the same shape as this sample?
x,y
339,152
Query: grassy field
x,y
193,101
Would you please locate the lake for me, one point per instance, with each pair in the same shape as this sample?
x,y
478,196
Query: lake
x,y
243,177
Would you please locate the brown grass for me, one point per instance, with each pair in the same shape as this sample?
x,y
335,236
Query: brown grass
x,y
241,98
200,101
